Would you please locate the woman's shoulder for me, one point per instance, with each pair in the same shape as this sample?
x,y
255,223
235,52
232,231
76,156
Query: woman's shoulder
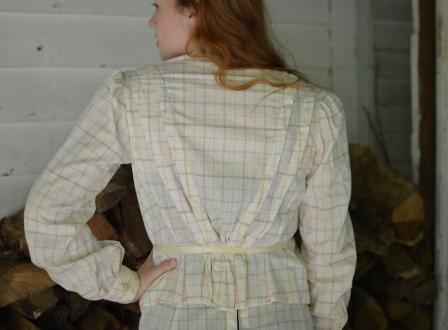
x,y
308,92
321,102
139,76
321,98
316,92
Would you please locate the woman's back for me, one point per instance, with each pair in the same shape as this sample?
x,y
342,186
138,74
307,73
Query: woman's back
x,y
224,178
212,167
225,146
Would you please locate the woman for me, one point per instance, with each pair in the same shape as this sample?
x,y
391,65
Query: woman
x,y
231,152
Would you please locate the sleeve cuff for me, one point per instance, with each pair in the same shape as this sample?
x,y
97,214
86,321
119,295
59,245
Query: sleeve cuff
x,y
126,286
321,323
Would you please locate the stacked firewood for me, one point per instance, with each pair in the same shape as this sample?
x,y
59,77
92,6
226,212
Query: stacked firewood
x,y
29,299
393,287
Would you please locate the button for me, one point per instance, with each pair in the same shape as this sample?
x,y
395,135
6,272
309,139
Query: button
x,y
216,265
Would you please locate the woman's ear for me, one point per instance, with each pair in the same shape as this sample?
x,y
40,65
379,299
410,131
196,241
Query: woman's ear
x,y
188,17
189,12
191,16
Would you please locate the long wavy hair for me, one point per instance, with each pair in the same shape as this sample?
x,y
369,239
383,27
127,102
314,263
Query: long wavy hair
x,y
235,34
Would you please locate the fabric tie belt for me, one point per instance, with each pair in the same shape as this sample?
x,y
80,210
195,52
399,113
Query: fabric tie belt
x,y
221,248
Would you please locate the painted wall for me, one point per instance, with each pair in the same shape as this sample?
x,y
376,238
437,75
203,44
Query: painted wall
x,y
54,55
392,30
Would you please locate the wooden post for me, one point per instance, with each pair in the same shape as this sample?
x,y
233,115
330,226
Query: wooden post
x,y
441,205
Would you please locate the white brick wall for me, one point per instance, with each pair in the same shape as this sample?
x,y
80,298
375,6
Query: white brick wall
x,y
54,55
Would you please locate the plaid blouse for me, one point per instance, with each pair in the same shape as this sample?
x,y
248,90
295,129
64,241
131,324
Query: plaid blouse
x,y
212,167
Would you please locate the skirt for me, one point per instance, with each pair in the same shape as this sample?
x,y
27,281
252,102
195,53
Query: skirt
x,y
272,316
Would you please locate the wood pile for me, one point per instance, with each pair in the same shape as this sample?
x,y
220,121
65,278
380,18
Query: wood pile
x,y
29,299
394,285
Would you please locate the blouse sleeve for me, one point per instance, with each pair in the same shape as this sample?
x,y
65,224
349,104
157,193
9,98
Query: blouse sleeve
x,y
62,200
328,244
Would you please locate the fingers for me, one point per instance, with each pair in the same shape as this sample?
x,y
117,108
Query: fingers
x,y
149,272
164,267
167,265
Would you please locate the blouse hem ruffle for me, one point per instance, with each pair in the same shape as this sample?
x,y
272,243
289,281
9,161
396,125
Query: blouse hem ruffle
x,y
230,281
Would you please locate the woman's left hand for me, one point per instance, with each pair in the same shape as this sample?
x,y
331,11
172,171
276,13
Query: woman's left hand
x,y
149,272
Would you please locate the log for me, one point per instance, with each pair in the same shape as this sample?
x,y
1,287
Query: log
x,y
399,288
425,293
8,258
56,318
367,314
126,217
77,304
423,254
399,264
12,234
33,306
21,280
376,183
97,317
381,284
364,264
101,228
366,241
109,197
11,319
409,234
407,316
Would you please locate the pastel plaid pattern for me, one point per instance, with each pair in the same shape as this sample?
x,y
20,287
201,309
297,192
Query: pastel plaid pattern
x,y
275,315
211,167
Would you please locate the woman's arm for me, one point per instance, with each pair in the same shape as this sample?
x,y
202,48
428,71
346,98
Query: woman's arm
x,y
62,200
328,248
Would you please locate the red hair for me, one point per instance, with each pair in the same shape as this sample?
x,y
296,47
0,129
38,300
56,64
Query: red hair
x,y
234,34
